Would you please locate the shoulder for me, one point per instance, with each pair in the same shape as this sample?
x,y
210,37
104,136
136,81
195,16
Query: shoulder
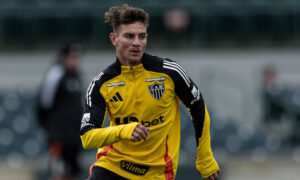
x,y
56,70
55,73
110,72
165,65
153,62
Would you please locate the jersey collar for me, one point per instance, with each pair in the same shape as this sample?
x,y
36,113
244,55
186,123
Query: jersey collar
x,y
137,68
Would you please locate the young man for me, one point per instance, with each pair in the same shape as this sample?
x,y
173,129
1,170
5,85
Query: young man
x,y
141,94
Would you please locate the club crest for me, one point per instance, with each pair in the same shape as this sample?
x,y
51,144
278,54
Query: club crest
x,y
157,90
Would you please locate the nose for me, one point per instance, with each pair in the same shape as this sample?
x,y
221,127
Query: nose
x,y
136,41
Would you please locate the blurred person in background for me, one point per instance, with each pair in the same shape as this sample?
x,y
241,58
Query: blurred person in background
x,y
281,102
272,94
141,93
60,110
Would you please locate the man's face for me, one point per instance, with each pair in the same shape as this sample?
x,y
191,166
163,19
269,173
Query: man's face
x,y
72,61
130,41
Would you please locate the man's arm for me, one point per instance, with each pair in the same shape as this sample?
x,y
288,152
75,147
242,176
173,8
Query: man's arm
x,y
206,164
91,132
190,95
48,93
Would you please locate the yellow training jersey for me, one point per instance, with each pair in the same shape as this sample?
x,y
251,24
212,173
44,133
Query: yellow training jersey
x,y
148,94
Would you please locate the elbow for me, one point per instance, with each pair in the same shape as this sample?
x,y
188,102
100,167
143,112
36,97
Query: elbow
x,y
86,144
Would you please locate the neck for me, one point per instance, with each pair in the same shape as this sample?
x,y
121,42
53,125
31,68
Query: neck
x,y
127,62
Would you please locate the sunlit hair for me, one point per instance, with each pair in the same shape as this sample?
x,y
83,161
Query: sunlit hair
x,y
116,16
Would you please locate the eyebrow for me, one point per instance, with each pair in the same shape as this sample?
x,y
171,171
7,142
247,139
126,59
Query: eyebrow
x,y
135,33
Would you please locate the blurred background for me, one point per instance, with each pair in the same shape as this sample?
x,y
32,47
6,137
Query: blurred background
x,y
244,56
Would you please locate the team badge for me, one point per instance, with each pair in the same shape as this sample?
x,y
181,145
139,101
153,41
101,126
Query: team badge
x,y
157,90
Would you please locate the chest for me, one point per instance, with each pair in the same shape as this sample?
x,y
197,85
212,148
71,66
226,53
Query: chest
x,y
139,94
69,86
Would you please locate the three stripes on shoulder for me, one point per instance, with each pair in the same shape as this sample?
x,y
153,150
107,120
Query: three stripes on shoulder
x,y
176,67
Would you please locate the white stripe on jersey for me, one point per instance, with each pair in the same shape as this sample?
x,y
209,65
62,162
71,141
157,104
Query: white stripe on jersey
x,y
98,77
175,64
176,67
88,92
90,89
89,99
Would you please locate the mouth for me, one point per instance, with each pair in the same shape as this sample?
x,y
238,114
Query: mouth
x,y
135,51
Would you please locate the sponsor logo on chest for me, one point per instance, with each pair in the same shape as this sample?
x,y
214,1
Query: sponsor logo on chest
x,y
116,84
126,120
160,79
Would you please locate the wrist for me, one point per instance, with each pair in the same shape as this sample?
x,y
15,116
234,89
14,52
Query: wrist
x,y
126,131
207,168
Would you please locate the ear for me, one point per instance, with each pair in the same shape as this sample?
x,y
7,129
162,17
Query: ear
x,y
113,37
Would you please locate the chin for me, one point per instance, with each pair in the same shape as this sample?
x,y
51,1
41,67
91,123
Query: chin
x,y
133,61
135,58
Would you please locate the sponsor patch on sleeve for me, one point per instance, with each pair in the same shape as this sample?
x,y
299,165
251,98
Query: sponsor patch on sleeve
x,y
196,94
85,120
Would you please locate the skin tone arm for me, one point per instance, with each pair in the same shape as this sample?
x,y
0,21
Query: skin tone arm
x,y
140,132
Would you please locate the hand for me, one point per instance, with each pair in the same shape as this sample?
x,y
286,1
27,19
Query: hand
x,y
138,132
213,176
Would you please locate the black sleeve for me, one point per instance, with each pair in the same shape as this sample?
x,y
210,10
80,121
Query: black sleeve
x,y
94,108
189,94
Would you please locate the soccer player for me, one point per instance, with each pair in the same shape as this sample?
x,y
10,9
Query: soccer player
x,y
141,94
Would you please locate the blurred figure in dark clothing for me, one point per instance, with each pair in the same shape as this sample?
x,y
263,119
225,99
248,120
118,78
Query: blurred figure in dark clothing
x,y
272,94
281,104
60,110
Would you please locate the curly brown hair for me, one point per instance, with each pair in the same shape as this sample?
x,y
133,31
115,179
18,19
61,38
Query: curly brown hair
x,y
116,16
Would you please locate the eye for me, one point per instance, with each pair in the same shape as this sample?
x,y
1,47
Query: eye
x,y
129,36
142,36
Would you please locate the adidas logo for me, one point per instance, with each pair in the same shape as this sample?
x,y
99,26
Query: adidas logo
x,y
116,98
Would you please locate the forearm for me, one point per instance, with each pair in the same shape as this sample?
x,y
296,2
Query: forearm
x,y
99,137
206,164
190,95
